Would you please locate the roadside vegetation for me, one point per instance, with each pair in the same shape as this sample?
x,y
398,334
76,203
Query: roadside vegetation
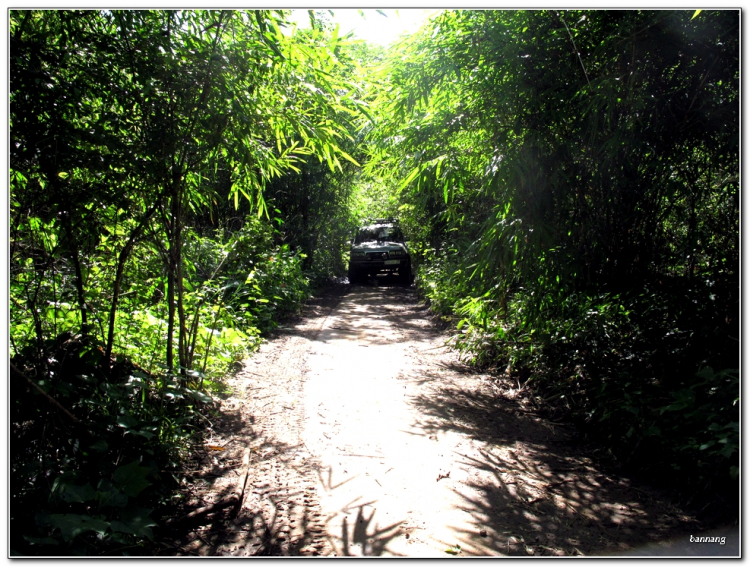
x,y
570,181
182,180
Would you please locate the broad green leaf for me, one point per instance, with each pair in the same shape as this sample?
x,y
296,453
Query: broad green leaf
x,y
72,525
200,396
127,421
73,493
112,498
135,521
131,478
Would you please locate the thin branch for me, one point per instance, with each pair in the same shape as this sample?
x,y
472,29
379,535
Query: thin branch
x,y
575,48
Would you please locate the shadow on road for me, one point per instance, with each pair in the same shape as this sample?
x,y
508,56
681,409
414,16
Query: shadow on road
x,y
364,537
533,491
372,309
364,534
363,314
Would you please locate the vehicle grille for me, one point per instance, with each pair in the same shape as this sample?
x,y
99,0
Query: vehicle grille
x,y
377,255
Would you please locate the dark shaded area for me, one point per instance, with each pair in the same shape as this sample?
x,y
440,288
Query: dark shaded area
x,y
88,471
280,515
409,314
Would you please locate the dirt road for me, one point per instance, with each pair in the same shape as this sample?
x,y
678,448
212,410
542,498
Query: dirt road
x,y
366,436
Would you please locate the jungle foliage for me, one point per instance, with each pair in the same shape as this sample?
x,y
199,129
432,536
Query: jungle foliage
x,y
181,180
151,243
571,182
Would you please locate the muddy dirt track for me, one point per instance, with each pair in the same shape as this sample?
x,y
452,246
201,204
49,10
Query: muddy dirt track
x,y
366,436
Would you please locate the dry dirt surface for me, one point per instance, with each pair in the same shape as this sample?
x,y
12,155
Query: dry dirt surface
x,y
363,435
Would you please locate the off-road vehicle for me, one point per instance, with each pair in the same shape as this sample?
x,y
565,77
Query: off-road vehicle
x,y
379,247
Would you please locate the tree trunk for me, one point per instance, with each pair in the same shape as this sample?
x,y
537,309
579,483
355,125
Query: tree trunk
x,y
175,287
171,274
122,259
170,316
73,248
179,281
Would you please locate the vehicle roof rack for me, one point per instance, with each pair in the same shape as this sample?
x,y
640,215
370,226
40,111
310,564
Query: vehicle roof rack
x,y
390,220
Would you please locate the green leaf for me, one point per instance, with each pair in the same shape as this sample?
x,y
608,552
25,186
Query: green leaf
x,y
695,15
41,540
707,373
652,431
728,451
454,550
200,396
272,44
72,525
112,498
144,433
131,478
135,521
72,493
100,446
346,156
127,421
412,175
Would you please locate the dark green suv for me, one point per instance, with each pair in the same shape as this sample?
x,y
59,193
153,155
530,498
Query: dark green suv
x,y
379,247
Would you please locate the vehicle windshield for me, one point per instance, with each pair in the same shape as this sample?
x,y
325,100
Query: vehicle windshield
x,y
380,233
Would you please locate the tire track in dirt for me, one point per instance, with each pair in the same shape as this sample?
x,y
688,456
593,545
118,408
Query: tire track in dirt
x,y
264,416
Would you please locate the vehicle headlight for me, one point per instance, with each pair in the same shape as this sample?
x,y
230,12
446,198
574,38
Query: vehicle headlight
x,y
358,255
396,253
